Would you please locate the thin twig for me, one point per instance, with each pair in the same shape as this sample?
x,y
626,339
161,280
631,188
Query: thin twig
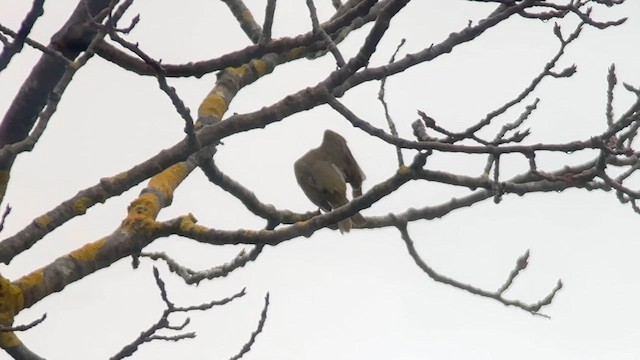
x,y
23,327
7,211
320,32
245,19
381,93
195,277
500,139
36,45
248,198
268,22
534,309
177,102
252,339
611,83
20,37
164,323
30,141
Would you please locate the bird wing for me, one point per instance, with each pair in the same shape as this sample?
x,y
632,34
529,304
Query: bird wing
x,y
329,181
306,178
353,173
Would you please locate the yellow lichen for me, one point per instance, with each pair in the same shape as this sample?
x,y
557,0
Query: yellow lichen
x,y
238,71
146,205
260,66
188,224
213,105
43,221
8,340
30,280
11,302
169,179
80,206
152,227
247,16
89,251
404,170
138,225
295,53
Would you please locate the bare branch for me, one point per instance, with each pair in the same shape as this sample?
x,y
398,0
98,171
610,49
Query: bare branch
x,y
498,188
520,265
268,22
517,137
24,327
528,90
245,19
613,146
34,44
584,16
252,339
10,151
465,35
371,9
248,198
611,83
164,323
48,73
195,277
566,178
319,31
507,2
177,102
37,9
22,352
7,211
309,42
208,135
435,145
381,93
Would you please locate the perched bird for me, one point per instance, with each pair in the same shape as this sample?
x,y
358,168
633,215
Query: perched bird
x,y
323,174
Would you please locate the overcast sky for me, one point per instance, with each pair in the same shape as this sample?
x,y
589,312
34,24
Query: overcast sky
x,y
357,296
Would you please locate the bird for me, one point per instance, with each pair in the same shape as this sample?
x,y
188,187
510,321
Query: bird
x,y
323,174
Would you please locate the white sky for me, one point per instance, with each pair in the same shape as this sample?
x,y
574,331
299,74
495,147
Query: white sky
x,y
358,296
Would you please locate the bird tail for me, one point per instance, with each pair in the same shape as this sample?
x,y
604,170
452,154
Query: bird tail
x,y
347,224
344,226
358,219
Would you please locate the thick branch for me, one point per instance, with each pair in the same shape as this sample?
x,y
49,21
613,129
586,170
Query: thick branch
x,y
16,46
